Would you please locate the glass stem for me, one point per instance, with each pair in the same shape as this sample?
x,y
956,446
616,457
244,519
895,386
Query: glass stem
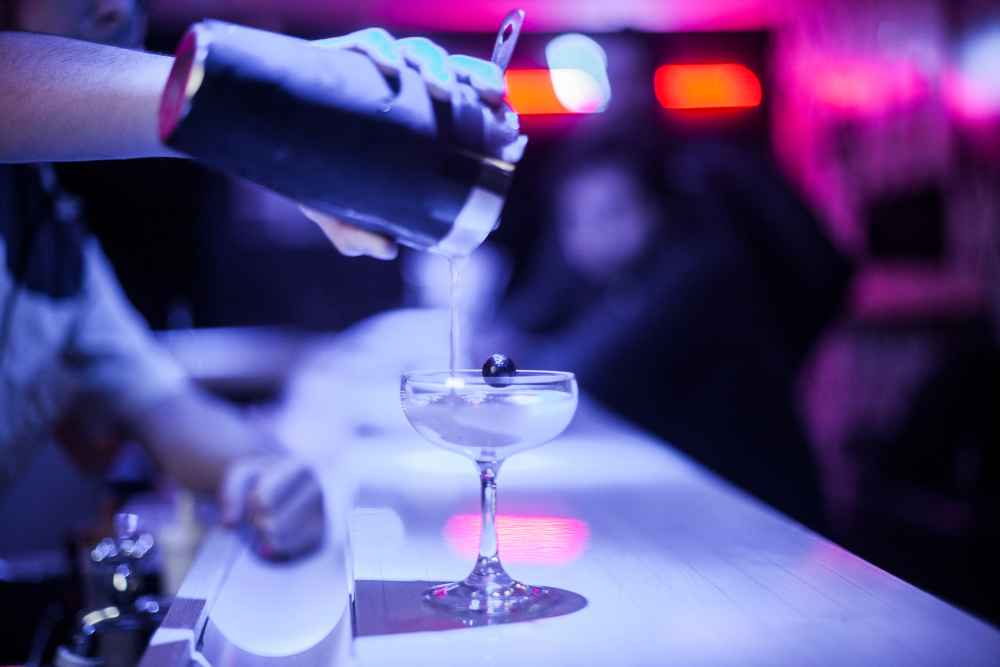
x,y
489,560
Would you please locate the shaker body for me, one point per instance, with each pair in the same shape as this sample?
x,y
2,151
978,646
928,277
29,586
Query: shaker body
x,y
325,127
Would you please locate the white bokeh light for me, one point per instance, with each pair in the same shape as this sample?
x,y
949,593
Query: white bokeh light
x,y
579,70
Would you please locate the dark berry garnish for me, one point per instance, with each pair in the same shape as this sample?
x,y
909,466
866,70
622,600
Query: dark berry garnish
x,y
498,370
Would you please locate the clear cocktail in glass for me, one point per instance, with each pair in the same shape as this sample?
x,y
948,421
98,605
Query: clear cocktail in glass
x,y
488,420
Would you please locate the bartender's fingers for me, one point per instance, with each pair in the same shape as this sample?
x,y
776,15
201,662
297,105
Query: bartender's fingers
x,y
439,70
295,525
307,536
375,43
350,240
484,76
432,62
279,482
285,508
235,490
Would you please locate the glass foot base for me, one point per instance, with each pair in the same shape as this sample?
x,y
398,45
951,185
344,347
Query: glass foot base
x,y
496,599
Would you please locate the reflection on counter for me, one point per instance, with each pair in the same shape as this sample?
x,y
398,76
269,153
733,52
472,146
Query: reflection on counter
x,y
537,540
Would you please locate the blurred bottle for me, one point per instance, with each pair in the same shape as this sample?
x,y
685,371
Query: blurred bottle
x,y
179,541
121,616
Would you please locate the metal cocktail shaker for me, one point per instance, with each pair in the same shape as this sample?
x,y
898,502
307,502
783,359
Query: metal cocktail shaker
x,y
325,127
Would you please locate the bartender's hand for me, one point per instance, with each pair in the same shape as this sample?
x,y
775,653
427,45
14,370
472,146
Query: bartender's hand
x,y
350,240
279,497
441,71
444,75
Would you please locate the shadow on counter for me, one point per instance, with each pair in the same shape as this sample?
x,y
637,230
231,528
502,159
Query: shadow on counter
x,y
397,607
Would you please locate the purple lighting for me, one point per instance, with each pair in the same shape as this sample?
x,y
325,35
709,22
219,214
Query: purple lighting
x,y
861,85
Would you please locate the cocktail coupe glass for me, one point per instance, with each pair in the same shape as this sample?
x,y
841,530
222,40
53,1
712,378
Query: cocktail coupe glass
x,y
488,420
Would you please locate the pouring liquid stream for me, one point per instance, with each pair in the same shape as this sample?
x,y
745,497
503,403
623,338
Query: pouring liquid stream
x,y
454,265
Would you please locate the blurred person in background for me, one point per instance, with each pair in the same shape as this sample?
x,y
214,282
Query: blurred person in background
x,y
684,285
899,396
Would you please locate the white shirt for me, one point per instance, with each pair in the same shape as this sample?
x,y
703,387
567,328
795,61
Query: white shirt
x,y
58,347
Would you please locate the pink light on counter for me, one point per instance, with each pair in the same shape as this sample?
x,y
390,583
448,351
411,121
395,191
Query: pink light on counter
x,y
537,540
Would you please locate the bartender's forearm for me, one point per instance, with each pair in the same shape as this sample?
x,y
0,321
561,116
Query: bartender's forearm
x,y
195,438
65,99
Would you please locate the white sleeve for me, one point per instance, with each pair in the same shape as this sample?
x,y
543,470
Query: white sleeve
x,y
111,347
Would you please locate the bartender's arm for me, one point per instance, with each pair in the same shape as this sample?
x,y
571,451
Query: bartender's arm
x,y
68,100
127,388
209,447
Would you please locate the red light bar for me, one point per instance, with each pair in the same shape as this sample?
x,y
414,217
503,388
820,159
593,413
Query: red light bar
x,y
557,91
707,86
530,92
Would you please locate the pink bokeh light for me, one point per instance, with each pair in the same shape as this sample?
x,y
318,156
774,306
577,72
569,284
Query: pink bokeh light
x,y
861,85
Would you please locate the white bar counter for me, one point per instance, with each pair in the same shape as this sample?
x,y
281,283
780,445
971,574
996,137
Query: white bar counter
x,y
676,566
